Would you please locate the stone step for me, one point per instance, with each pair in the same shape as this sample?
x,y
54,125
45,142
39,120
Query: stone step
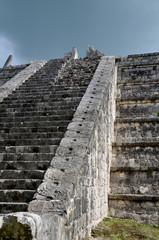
x,y
36,118
68,82
134,110
140,59
31,124
134,181
143,208
28,135
136,144
47,112
8,207
137,157
19,159
36,88
22,174
141,73
134,197
42,99
49,83
32,142
55,93
39,107
16,195
137,120
67,103
56,89
51,86
21,104
138,82
137,132
138,92
23,165
29,184
29,149
38,129
134,169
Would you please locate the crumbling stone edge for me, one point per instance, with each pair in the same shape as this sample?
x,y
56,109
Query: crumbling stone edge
x,y
20,78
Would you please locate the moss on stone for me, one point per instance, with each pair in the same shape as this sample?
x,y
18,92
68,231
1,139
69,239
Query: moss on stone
x,y
14,230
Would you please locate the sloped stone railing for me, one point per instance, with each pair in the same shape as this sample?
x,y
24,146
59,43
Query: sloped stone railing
x,y
74,194
20,78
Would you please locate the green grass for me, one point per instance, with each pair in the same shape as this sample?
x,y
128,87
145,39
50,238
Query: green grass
x,y
124,229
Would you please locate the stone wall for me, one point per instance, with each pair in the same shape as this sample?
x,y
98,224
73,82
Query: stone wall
x,y
75,187
134,173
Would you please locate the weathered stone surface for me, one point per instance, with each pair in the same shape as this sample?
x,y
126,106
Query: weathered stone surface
x,y
92,53
8,61
19,79
76,184
7,73
82,168
134,167
71,55
20,226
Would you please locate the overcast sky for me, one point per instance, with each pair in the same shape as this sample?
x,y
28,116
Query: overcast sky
x,y
45,29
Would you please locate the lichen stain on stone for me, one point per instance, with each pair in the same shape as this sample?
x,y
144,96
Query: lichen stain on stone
x,y
14,230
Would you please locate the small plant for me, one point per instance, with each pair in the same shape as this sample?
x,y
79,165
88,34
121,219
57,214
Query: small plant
x,y
123,233
158,114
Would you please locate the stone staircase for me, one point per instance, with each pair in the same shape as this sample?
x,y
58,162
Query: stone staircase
x,y
134,177
9,72
33,120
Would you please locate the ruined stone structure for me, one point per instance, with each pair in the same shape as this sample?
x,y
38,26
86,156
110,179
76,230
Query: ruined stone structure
x,y
79,141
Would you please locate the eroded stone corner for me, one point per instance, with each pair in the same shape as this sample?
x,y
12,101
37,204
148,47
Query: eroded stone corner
x,y
20,225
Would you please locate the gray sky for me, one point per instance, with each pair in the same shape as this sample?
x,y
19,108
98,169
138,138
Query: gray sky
x,y
45,29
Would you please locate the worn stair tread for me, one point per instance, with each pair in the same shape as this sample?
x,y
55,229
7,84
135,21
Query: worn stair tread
x,y
140,82
43,129
20,158
23,184
45,112
134,144
137,119
131,169
39,107
19,174
31,142
28,149
36,118
16,195
28,135
133,197
134,102
7,207
52,101
30,104
23,165
35,124
46,95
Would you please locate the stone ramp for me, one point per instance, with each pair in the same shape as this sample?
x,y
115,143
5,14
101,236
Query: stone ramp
x,y
134,174
33,120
